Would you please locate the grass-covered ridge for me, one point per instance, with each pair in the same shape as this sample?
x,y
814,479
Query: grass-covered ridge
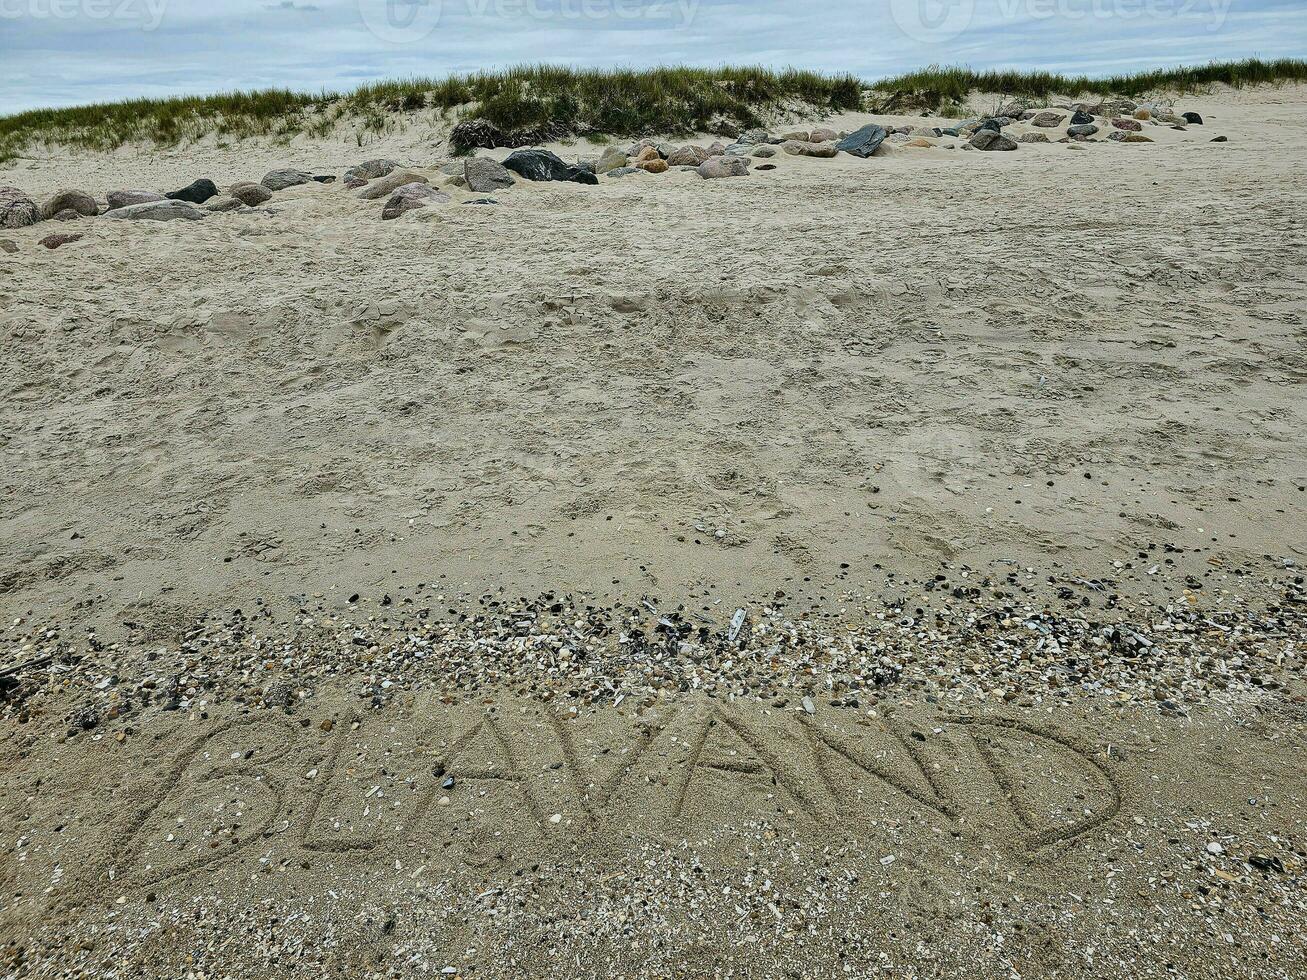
x,y
955,84
543,100
549,102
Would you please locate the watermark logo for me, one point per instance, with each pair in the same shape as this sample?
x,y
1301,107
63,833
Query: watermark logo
x,y
941,21
401,21
932,21
410,21
147,13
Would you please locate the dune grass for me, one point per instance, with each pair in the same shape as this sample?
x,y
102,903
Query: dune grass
x,y
551,102
954,84
546,101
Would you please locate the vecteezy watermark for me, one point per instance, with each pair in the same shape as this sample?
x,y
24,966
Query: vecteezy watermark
x,y
938,21
409,21
401,21
147,13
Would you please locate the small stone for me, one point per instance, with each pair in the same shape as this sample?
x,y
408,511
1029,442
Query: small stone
x,y
410,197
54,241
122,199
249,193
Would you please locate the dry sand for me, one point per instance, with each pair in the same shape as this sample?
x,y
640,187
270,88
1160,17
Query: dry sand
x,y
1054,378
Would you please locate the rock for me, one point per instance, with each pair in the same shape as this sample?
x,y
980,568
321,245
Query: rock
x,y
990,139
371,169
645,154
353,183
920,143
864,142
1047,120
459,181
223,204
67,214
481,200
167,210
716,149
926,132
611,159
122,199
655,166
993,125
54,241
1082,129
543,165
624,171
387,185
589,166
454,168
1143,114
763,152
1032,138
1081,118
70,200
1215,139
766,166
665,150
279,180
1132,125
249,193
798,149
752,137
687,156
196,192
324,178
1192,118
485,175
409,197
742,149
823,135
798,136
476,134
950,131
897,138
6,245
723,166
1128,137
17,210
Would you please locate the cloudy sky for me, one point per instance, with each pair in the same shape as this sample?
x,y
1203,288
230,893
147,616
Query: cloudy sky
x,y
66,52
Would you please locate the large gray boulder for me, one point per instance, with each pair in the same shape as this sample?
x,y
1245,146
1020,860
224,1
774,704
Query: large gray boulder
x,y
409,198
122,199
799,148
543,165
611,159
279,180
484,175
1047,120
864,142
724,166
989,139
371,169
69,199
387,185
250,193
17,210
166,210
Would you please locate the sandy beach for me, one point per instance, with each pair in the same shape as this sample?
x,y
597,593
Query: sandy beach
x,y
864,567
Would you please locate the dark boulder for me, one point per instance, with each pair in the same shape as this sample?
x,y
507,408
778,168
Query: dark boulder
x,y
543,165
1082,118
196,193
864,142
1192,118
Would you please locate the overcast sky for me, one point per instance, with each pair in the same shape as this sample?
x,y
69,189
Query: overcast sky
x,y
66,52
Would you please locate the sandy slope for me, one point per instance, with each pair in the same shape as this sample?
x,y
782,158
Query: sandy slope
x,y
1072,377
